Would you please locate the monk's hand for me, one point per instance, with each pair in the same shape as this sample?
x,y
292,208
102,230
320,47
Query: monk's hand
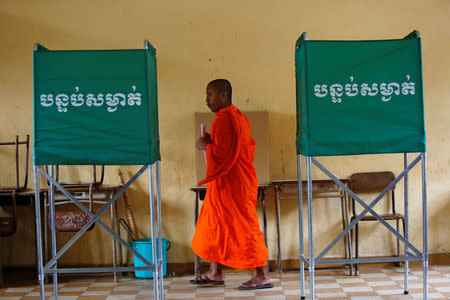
x,y
201,144
207,137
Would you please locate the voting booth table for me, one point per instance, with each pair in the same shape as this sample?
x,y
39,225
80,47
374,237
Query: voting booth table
x,y
96,107
354,98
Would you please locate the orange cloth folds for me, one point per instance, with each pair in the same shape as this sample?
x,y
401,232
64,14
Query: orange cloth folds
x,y
227,229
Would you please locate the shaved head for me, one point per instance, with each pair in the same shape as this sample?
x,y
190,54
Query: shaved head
x,y
222,85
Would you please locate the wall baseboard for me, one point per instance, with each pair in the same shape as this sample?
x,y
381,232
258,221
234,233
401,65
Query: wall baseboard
x,y
187,268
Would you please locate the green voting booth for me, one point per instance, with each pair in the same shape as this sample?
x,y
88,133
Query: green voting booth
x,y
359,97
96,107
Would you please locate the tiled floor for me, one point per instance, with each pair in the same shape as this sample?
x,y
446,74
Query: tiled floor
x,y
372,283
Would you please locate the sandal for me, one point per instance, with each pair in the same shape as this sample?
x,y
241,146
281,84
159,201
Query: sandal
x,y
254,286
205,281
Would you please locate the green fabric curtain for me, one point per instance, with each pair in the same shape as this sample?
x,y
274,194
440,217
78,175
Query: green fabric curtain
x,y
359,97
95,107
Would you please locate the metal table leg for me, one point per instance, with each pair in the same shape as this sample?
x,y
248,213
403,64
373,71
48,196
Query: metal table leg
x,y
197,261
263,208
277,216
347,239
262,196
1,266
349,235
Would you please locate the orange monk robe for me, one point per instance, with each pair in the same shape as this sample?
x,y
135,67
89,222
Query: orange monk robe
x,y
227,230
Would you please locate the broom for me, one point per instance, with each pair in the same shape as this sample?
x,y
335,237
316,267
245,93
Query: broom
x,y
129,209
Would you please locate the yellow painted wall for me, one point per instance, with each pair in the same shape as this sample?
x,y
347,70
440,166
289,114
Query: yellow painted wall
x,y
252,44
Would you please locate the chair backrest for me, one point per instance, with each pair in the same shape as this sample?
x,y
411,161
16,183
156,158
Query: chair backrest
x,y
370,181
17,143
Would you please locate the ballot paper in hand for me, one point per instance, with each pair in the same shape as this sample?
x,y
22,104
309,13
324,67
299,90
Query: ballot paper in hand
x,y
202,128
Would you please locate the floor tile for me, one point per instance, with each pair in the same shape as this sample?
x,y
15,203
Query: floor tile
x,y
372,283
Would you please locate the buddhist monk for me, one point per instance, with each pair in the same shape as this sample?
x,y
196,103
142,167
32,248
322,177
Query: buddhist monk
x,y
227,231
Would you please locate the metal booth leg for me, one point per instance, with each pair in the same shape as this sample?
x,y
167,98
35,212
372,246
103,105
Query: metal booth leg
x,y
310,229
424,225
300,226
405,223
50,266
45,229
158,208
37,208
53,232
153,232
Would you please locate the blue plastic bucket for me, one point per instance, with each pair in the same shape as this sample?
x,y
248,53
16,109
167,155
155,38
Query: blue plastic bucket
x,y
144,248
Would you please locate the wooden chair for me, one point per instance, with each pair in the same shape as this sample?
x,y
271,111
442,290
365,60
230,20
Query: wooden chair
x,y
8,224
374,182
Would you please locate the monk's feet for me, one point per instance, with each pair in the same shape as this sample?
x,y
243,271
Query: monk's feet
x,y
256,283
208,279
